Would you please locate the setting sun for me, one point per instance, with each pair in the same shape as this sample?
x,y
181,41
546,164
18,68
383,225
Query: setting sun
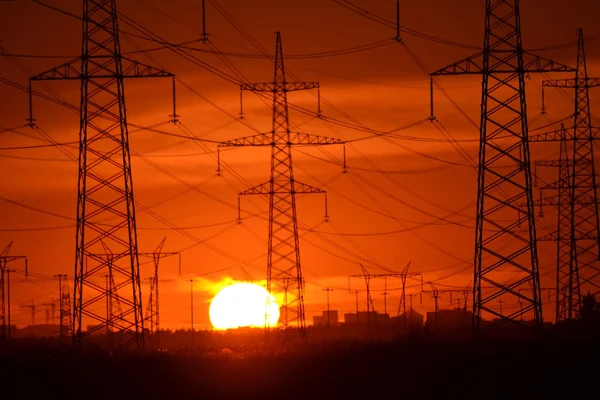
x,y
243,304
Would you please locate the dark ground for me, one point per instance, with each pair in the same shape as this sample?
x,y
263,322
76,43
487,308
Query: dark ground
x,y
420,367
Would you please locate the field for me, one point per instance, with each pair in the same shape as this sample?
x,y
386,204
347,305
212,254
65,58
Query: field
x,y
415,367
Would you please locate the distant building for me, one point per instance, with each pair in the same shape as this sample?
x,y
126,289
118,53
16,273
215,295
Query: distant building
x,y
448,320
327,317
364,317
411,319
42,330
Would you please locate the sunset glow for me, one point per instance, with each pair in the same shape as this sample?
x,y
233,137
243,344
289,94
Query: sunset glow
x,y
243,305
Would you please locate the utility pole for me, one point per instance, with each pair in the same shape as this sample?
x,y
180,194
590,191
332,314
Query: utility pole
x,y
153,309
5,259
504,176
328,312
283,259
191,281
150,311
385,295
578,237
64,310
435,300
105,183
8,272
410,296
108,303
356,293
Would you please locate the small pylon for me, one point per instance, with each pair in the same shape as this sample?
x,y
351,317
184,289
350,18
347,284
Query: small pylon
x,y
152,316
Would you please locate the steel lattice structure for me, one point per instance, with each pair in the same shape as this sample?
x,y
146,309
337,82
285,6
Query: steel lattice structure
x,y
567,287
65,311
585,227
567,290
578,272
283,260
152,317
5,259
105,202
504,176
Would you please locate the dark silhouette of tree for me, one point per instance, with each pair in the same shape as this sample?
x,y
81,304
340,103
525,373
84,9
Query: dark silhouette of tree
x,y
589,311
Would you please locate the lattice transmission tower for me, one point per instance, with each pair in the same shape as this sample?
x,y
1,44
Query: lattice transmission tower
x,y
152,316
368,277
65,311
578,272
283,260
560,197
105,201
5,259
504,170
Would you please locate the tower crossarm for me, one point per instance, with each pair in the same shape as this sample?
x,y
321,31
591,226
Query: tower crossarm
x,y
551,163
555,136
561,163
550,136
265,189
473,65
297,139
100,67
583,200
261,139
549,237
7,259
302,139
572,83
553,237
274,87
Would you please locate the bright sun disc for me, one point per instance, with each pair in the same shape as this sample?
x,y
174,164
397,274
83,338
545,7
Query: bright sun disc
x,y
243,304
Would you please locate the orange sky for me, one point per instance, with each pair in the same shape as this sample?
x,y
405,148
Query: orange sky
x,y
382,88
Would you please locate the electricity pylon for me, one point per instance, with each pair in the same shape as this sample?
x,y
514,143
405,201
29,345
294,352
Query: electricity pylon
x,y
567,290
64,311
435,293
152,310
5,259
504,177
105,202
578,271
368,277
283,260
